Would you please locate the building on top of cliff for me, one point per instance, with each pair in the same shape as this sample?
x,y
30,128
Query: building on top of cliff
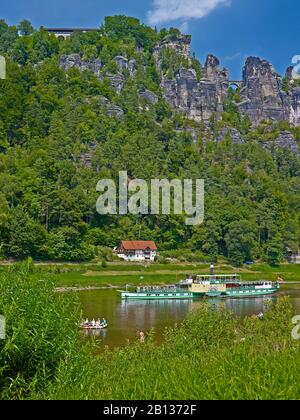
x,y
67,32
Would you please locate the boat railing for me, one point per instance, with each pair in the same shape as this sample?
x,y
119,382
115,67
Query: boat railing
x,y
218,279
187,282
158,289
222,279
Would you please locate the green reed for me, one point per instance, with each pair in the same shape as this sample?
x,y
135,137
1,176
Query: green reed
x,y
211,355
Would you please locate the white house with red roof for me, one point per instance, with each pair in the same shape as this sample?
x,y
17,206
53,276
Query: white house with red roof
x,y
137,250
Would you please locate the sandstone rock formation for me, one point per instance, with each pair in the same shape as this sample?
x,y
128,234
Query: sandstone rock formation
x,y
199,92
124,63
262,93
235,135
116,80
284,141
114,110
103,103
199,99
219,76
181,44
295,107
149,96
74,60
87,157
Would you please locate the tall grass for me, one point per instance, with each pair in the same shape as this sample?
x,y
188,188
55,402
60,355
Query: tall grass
x,y
42,332
211,355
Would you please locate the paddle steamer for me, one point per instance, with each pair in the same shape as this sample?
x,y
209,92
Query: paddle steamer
x,y
199,286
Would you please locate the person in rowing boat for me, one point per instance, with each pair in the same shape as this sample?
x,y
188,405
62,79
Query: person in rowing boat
x,y
93,322
98,323
85,323
104,323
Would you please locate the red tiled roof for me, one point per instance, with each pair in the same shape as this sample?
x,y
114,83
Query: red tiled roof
x,y
138,245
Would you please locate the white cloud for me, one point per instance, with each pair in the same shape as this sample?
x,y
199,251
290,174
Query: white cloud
x,y
170,10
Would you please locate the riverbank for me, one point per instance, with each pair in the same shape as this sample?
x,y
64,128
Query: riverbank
x,y
82,289
120,275
210,355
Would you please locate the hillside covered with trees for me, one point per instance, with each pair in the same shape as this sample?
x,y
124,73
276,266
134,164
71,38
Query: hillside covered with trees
x,y
73,111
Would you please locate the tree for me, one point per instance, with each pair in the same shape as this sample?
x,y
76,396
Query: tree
x,y
26,236
130,28
25,28
59,135
8,37
241,242
274,255
211,238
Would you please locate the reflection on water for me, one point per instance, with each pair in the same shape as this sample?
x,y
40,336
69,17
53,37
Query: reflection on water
x,y
95,333
244,307
149,313
125,318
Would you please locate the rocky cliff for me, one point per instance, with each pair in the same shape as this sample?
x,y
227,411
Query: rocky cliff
x,y
200,92
198,98
284,141
262,92
75,61
180,44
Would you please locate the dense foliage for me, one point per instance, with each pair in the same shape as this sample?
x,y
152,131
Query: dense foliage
x,y
49,119
41,332
212,355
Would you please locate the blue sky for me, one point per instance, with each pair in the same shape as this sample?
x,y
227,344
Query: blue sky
x,y
230,29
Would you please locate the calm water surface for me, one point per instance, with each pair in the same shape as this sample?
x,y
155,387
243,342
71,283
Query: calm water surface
x,y
125,318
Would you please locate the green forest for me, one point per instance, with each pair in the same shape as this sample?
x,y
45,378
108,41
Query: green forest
x,y
50,119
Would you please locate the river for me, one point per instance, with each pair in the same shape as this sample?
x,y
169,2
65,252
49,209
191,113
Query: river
x,y
125,318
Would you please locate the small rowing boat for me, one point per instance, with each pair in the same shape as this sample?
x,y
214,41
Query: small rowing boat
x,y
94,325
